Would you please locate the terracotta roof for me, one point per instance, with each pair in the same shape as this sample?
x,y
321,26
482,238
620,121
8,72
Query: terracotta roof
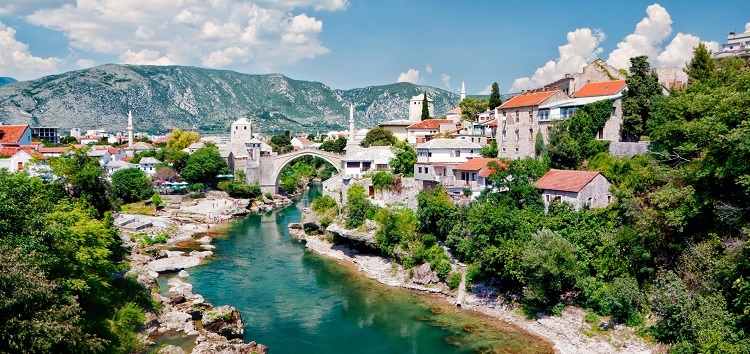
x,y
456,110
13,150
127,158
478,163
528,99
11,134
113,150
304,141
430,124
53,150
605,88
565,180
672,84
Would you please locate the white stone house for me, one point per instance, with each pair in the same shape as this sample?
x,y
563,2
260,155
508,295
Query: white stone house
x,y
363,160
579,188
423,131
148,165
115,165
16,161
301,143
415,107
437,158
102,155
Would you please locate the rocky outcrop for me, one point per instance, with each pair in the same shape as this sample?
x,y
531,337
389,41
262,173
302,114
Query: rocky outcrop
x,y
424,275
171,349
212,343
175,261
224,320
366,237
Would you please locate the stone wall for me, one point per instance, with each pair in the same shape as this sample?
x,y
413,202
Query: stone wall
x,y
628,149
525,121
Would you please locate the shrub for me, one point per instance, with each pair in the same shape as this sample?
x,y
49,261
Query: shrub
x,y
454,281
323,204
443,268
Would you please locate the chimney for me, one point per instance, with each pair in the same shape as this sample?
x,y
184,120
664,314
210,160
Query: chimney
x,y
555,87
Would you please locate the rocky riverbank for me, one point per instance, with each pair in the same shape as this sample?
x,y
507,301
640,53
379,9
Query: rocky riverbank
x,y
189,225
569,333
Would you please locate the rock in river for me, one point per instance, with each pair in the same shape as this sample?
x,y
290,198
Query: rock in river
x,y
224,320
173,264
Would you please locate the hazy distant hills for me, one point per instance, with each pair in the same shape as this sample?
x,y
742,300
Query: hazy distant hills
x,y
7,80
166,97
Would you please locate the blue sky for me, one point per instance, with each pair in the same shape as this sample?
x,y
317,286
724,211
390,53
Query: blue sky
x,y
355,43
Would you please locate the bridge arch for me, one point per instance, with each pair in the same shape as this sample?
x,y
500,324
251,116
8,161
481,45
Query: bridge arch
x,y
280,161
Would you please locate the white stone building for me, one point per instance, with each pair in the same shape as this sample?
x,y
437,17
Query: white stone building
x,y
148,165
415,107
373,158
579,188
242,131
436,159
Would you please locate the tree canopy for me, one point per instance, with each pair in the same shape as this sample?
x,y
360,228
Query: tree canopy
x,y
472,107
495,100
131,185
378,137
425,107
643,88
179,139
203,166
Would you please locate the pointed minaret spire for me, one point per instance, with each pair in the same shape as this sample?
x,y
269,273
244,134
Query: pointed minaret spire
x,y
351,121
130,129
463,91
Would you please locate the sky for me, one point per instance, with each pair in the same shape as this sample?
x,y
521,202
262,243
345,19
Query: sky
x,y
356,43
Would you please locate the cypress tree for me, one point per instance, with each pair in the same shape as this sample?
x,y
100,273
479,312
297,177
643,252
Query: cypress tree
x,y
495,97
701,67
425,108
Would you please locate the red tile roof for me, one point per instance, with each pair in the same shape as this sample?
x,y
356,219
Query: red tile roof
x,y
478,163
304,141
113,150
430,124
604,88
127,158
456,110
11,134
53,150
565,180
528,99
12,150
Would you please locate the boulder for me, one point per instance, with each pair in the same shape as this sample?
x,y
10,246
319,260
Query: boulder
x,y
367,237
179,291
183,274
224,320
171,349
173,264
176,320
424,275
205,239
200,254
211,343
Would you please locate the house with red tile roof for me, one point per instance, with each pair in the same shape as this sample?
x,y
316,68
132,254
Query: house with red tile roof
x,y
15,135
301,143
579,188
15,159
423,131
604,88
519,122
53,151
474,172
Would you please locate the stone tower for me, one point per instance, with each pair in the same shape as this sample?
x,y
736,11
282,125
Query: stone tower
x,y
463,91
242,131
351,122
130,129
415,107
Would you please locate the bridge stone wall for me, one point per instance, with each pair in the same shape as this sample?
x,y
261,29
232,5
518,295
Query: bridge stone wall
x,y
269,167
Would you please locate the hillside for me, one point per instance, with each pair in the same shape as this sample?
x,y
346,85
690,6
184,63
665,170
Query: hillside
x,y
7,80
166,97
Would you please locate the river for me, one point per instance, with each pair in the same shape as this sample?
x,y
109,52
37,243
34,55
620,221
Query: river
x,y
295,301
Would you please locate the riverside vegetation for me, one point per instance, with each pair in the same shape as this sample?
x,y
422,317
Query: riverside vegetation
x,y
669,257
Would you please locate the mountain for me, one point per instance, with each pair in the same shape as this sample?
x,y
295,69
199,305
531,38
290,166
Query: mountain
x,y
7,80
166,97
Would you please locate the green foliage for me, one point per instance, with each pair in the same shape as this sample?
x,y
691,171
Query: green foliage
x,y
550,267
495,100
425,108
335,145
324,203
83,178
701,66
405,159
442,268
489,151
357,206
539,147
281,143
382,180
436,212
643,87
378,137
203,166
454,281
131,185
471,107
240,190
572,140
156,199
396,228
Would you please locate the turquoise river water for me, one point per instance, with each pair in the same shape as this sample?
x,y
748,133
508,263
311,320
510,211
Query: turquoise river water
x,y
295,301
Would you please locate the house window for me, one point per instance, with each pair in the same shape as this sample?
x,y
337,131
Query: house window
x,y
547,196
350,164
516,135
601,133
245,127
504,135
366,166
518,118
20,165
531,134
609,199
516,149
614,110
419,169
531,114
458,153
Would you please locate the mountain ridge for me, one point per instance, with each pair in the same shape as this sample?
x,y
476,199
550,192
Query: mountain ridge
x,y
166,97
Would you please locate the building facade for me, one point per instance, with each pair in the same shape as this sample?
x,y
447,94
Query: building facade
x,y
579,188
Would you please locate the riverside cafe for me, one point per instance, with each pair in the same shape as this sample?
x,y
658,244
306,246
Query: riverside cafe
x,y
173,187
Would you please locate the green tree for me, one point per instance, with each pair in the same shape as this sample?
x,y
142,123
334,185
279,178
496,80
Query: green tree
x,y
539,147
203,166
382,180
472,107
179,139
551,267
495,100
435,212
489,151
83,178
425,108
643,87
282,143
378,137
357,206
335,145
701,67
405,159
131,185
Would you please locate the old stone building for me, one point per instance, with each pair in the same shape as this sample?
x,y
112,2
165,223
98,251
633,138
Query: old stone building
x,y
596,71
519,122
579,188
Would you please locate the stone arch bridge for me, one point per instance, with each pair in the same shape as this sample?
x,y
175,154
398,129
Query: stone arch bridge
x,y
271,166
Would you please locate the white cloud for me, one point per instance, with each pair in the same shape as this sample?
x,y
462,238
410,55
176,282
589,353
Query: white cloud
x,y
16,61
446,80
487,90
25,7
84,63
428,69
647,39
233,34
582,47
747,27
410,76
680,50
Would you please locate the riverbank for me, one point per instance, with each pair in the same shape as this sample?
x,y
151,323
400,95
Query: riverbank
x,y
164,243
569,333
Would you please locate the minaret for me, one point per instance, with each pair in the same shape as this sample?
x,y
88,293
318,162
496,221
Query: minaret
x,y
463,91
351,121
130,129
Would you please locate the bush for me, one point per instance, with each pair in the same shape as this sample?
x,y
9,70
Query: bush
x,y
323,204
454,281
240,190
196,187
357,206
442,268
